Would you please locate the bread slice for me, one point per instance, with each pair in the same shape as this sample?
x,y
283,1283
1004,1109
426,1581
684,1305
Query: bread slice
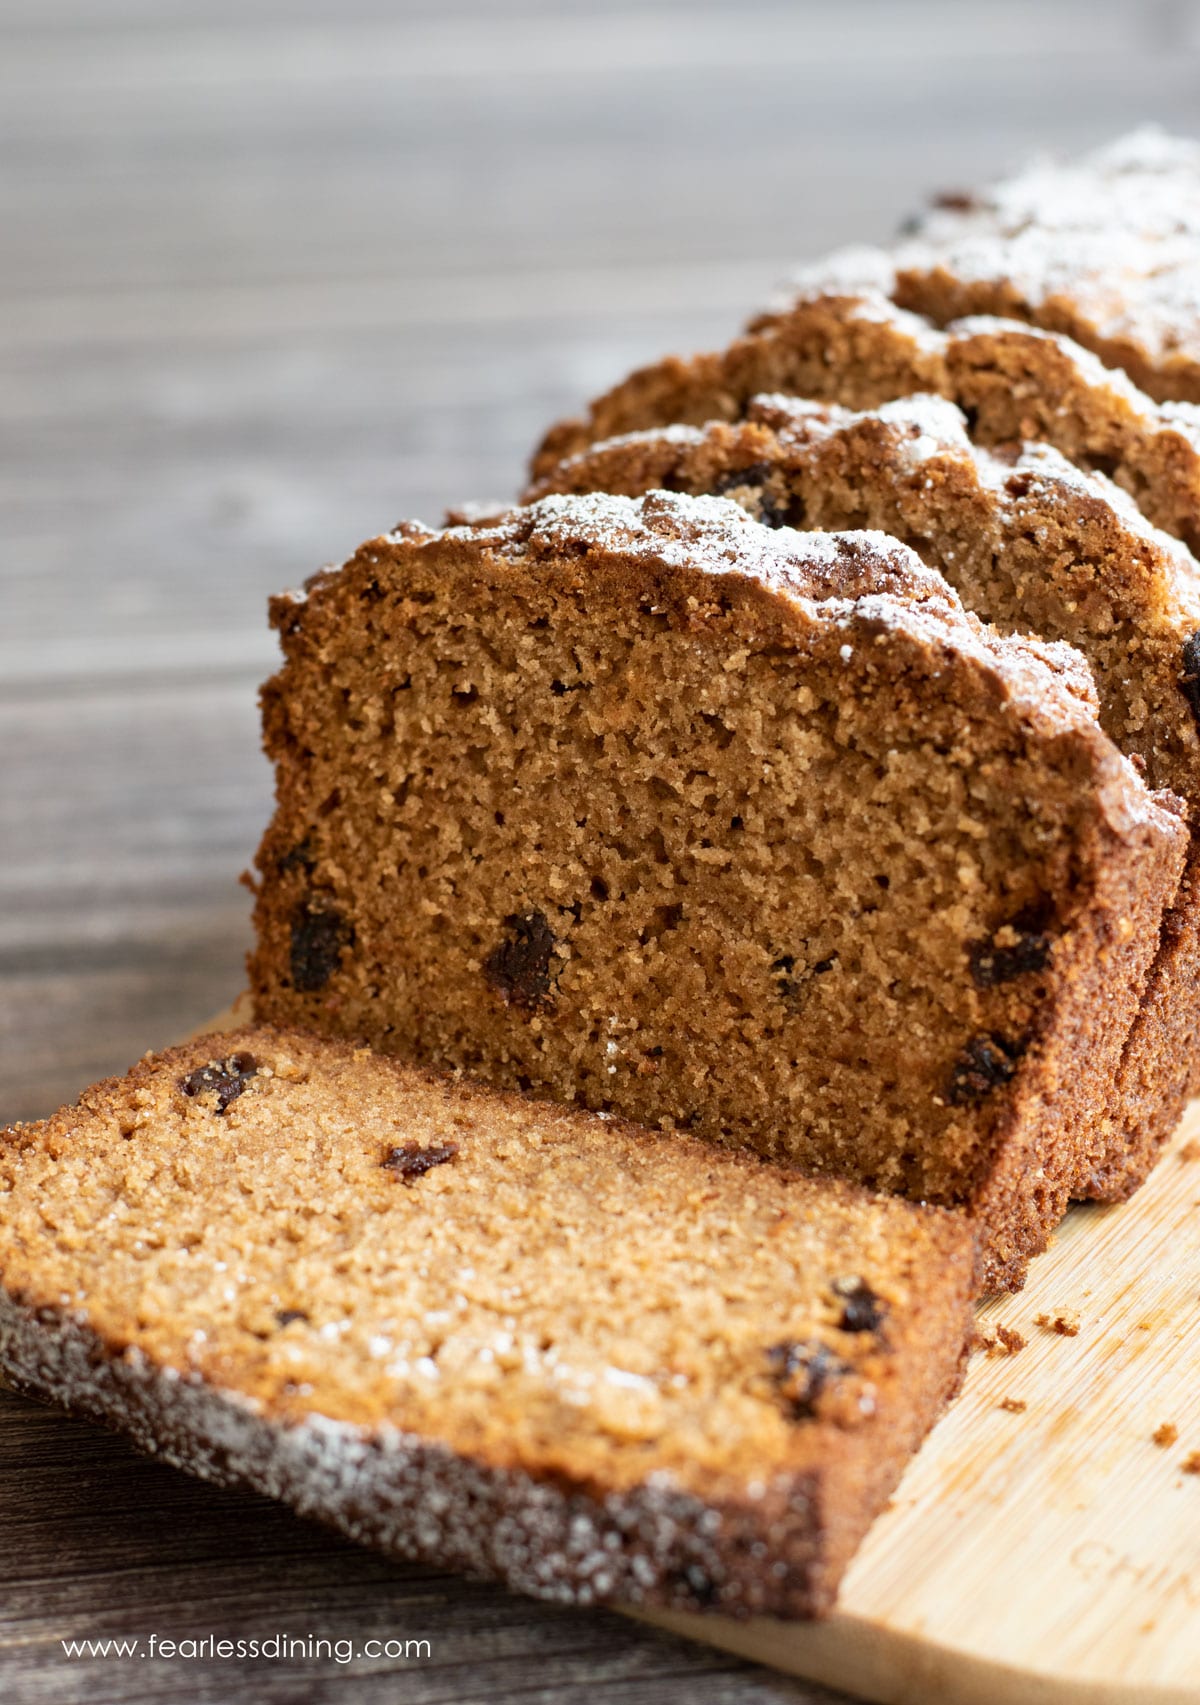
x,y
1031,544
1029,541
592,1361
838,336
749,832
1105,248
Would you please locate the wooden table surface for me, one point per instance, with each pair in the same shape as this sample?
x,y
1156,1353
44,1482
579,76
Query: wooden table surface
x,y
273,275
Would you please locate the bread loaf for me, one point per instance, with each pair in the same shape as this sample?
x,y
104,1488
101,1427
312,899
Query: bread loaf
x,y
745,832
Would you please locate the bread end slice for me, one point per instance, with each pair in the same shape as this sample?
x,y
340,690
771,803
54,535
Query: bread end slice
x,y
592,1361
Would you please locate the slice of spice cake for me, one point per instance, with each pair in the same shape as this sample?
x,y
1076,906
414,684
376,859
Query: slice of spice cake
x,y
718,827
593,1361
1033,545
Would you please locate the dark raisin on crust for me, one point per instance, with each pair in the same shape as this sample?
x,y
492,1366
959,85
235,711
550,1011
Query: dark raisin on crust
x,y
955,201
1189,681
410,1160
991,965
519,968
862,1310
285,1316
754,479
800,1372
226,1079
984,1064
320,934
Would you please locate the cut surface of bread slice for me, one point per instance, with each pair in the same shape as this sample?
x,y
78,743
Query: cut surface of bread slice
x,y
840,337
1105,248
745,831
594,1361
1033,545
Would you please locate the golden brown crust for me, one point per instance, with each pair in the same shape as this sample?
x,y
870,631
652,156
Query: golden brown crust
x,y
592,1360
843,339
547,811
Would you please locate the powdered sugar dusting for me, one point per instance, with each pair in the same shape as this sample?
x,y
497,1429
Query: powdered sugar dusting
x,y
1088,367
1145,183
873,305
923,426
1115,235
1106,247
712,536
679,437
1183,419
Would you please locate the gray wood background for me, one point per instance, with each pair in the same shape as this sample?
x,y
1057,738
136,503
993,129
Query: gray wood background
x,y
274,273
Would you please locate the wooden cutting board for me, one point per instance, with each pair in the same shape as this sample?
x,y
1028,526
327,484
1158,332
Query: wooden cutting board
x,y
1047,1554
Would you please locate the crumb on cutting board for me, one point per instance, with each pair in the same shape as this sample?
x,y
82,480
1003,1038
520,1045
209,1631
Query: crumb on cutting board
x,y
1165,1435
1014,1405
999,1341
1064,1321
1191,1464
1190,1149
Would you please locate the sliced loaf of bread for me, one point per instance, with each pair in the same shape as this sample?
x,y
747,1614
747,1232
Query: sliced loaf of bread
x,y
748,832
1032,544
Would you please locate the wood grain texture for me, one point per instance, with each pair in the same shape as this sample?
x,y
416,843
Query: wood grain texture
x,y
1045,1554
273,276
99,1543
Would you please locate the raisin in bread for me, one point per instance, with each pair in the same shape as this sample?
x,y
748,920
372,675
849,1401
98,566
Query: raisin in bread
x,y
1032,544
500,1336
1105,248
646,805
839,337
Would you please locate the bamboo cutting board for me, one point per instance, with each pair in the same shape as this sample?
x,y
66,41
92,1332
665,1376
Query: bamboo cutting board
x,y
1050,1554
